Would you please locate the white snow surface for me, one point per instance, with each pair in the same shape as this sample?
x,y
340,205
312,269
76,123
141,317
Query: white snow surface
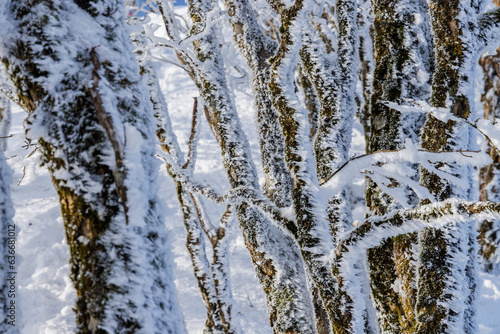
x,y
45,293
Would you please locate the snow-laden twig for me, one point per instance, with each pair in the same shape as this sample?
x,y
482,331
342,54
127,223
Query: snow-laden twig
x,y
390,165
194,136
490,130
352,247
489,29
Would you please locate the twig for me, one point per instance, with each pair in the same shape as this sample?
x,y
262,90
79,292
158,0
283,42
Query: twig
x,y
224,220
193,138
24,173
206,226
32,152
390,151
185,22
188,70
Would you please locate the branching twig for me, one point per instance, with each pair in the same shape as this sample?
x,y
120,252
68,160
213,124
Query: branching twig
x,y
393,151
404,221
193,138
205,223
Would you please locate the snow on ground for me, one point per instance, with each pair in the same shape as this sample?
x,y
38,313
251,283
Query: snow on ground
x,y
46,295
489,304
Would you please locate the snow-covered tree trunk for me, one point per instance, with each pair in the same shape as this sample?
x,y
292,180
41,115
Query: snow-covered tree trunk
x,y
446,270
400,74
5,119
311,221
257,49
91,115
366,63
489,183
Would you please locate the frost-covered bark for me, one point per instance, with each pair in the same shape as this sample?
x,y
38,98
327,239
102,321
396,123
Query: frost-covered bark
x,y
401,74
93,121
489,183
447,278
366,64
402,62
321,40
257,48
311,102
219,315
334,79
5,119
311,222
274,254
202,271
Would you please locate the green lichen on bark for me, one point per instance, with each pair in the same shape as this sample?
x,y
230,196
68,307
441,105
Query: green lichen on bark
x,y
382,277
489,233
405,263
436,247
391,82
433,270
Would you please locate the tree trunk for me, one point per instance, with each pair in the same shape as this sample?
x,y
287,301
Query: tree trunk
x,y
92,118
442,270
489,176
398,61
281,274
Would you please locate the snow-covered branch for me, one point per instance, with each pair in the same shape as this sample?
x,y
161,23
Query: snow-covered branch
x,y
385,166
378,228
489,29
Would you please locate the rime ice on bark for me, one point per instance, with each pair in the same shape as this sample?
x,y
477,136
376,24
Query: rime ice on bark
x,y
450,295
275,256
5,116
256,49
293,118
366,63
490,175
402,64
91,115
215,322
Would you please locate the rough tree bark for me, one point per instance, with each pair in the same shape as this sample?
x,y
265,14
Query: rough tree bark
x,y
93,122
441,248
489,183
402,66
